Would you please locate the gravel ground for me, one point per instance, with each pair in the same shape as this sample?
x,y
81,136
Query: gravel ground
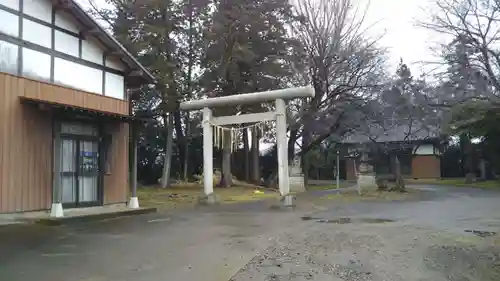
x,y
358,251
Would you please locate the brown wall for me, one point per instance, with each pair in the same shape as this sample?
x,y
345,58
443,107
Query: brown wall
x,y
349,169
422,166
426,166
25,150
42,91
26,147
116,181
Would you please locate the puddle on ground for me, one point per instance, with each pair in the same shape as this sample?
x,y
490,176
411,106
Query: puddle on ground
x,y
346,220
337,221
481,233
376,220
308,218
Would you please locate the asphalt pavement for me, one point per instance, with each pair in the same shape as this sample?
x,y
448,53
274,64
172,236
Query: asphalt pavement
x,y
215,243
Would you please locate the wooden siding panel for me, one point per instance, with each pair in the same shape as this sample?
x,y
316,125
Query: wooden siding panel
x,y
25,149
116,182
43,91
350,173
426,167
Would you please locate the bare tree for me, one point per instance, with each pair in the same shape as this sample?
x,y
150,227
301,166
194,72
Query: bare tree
x,y
341,62
475,25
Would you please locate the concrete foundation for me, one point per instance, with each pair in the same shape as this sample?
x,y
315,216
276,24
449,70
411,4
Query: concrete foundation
x,y
56,211
297,184
288,200
367,181
133,203
209,199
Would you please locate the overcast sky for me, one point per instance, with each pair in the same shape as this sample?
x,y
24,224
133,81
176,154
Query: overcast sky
x,y
397,18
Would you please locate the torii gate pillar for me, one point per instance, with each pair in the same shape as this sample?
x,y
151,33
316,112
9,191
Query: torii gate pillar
x,y
208,153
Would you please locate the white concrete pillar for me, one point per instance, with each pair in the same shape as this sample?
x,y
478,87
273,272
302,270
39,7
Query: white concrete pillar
x,y
282,143
208,171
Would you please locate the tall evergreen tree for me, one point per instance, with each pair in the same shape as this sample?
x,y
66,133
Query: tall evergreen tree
x,y
247,47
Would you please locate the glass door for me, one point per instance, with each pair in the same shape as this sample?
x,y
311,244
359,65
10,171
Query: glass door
x,y
88,173
79,172
68,171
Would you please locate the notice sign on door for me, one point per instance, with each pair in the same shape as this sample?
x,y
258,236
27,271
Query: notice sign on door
x,y
88,160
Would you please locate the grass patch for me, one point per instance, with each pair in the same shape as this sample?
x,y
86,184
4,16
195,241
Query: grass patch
x,y
186,195
370,195
457,182
342,184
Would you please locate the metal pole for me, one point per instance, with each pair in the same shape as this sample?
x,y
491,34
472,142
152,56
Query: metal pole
x,y
358,185
56,208
338,170
56,179
134,134
133,176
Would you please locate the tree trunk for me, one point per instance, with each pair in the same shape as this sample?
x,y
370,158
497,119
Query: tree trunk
x,y
291,144
471,175
255,177
466,150
191,61
482,168
246,153
305,169
400,184
226,178
165,182
304,158
181,140
186,149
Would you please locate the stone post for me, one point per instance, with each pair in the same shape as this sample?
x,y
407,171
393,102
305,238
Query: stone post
x,y
296,176
366,177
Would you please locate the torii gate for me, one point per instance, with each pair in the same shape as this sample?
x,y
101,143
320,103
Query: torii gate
x,y
279,115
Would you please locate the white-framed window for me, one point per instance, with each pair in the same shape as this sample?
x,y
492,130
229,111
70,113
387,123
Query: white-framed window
x,y
37,33
9,23
66,43
77,128
114,86
78,76
36,64
63,20
40,9
13,4
92,51
8,57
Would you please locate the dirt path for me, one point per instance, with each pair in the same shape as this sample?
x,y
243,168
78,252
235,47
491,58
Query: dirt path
x,y
378,252
416,241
